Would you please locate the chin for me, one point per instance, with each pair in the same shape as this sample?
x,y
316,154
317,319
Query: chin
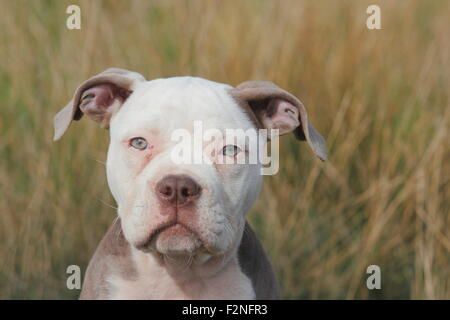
x,y
177,240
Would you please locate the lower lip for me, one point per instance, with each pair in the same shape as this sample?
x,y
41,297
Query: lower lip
x,y
175,230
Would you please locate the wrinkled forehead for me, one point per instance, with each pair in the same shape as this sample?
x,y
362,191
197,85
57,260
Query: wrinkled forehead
x,y
164,105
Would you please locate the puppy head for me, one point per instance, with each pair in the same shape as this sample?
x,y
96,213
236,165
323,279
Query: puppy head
x,y
191,208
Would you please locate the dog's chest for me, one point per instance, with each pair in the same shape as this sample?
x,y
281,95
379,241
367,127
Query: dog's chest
x,y
156,283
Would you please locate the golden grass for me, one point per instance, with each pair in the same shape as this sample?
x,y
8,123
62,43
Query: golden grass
x,y
381,99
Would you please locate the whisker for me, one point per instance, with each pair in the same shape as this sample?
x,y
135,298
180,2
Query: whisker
x,y
107,204
120,229
98,161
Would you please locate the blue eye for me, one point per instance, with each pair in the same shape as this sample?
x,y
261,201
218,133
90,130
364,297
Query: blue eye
x,y
230,150
139,143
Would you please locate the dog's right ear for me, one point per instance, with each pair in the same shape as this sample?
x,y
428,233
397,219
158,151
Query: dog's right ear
x,y
99,98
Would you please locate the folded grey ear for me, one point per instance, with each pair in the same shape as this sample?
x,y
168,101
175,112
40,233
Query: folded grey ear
x,y
275,108
99,97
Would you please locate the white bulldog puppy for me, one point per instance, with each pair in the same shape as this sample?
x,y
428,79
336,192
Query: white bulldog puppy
x,y
181,231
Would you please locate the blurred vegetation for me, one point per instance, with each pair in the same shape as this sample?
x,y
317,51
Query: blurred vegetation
x,y
380,97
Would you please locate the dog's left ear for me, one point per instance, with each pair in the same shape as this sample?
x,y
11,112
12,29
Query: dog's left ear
x,y
276,108
98,97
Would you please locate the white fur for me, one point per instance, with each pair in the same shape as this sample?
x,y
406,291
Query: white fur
x,y
153,111
156,283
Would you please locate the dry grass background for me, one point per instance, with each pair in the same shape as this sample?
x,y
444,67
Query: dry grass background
x,y
381,99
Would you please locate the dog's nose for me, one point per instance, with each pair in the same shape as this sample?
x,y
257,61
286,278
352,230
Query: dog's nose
x,y
177,189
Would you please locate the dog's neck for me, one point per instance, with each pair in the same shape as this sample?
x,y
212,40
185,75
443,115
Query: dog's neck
x,y
156,277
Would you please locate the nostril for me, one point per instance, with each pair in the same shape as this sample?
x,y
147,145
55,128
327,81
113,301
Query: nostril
x,y
166,190
188,188
185,192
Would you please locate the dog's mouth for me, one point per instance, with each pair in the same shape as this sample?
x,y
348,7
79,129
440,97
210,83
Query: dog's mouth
x,y
174,239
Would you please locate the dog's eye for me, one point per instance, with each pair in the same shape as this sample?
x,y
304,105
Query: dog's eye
x,y
230,150
139,143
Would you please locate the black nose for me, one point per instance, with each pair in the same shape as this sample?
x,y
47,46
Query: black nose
x,y
177,189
